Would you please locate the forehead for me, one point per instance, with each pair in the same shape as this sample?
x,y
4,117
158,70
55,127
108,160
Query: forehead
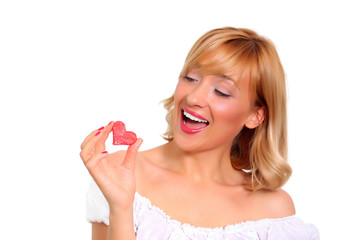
x,y
223,60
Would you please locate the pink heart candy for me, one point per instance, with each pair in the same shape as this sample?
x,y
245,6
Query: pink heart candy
x,y
121,136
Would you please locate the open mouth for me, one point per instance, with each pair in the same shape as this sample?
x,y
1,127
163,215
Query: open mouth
x,y
192,122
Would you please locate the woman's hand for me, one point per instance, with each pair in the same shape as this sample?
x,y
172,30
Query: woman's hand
x,y
115,178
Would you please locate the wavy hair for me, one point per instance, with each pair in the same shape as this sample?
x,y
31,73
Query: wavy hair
x,y
262,151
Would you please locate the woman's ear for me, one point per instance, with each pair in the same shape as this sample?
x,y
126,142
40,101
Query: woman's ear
x,y
256,118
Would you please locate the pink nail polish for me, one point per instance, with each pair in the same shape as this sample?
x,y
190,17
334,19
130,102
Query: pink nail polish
x,y
100,128
104,152
110,123
96,134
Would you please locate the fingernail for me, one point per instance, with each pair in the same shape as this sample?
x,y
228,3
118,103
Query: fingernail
x,y
101,128
96,134
110,123
104,152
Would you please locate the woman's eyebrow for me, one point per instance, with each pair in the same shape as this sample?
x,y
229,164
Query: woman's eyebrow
x,y
229,78
235,83
226,77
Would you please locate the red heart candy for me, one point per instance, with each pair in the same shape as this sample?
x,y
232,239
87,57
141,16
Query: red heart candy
x,y
121,136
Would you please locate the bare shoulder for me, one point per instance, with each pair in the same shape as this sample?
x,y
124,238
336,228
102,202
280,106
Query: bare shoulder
x,y
275,204
152,157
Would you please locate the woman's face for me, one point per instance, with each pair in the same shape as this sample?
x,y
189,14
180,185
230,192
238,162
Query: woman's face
x,y
210,110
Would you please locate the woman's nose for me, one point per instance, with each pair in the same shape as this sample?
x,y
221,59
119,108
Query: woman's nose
x,y
199,95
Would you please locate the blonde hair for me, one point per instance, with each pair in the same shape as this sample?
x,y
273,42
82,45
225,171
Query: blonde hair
x,y
262,151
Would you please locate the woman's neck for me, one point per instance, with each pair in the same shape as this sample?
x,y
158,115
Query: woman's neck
x,y
205,166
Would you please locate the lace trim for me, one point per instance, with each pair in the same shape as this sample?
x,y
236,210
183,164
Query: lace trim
x,y
145,202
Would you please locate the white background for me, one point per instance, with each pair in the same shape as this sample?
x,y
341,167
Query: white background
x,y
69,67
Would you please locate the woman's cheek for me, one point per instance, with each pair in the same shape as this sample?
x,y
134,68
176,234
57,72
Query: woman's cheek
x,y
230,112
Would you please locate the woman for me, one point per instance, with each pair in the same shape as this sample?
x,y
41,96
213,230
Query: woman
x,y
220,173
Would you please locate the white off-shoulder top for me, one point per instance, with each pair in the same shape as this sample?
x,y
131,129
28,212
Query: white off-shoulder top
x,y
151,223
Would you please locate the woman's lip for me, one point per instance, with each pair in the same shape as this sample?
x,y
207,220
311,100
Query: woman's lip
x,y
188,130
194,114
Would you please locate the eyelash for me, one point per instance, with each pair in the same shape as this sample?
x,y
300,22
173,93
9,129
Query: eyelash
x,y
221,94
189,79
218,92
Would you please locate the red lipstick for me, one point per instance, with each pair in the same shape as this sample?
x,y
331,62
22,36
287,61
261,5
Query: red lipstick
x,y
188,130
194,114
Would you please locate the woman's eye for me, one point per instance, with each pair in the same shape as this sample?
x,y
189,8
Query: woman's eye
x,y
219,93
189,79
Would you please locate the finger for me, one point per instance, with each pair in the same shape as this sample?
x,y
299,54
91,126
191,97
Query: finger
x,y
89,147
92,163
91,135
130,157
100,144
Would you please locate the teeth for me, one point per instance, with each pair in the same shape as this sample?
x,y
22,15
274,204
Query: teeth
x,y
193,118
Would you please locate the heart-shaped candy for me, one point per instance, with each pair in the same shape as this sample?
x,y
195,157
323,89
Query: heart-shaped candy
x,y
121,136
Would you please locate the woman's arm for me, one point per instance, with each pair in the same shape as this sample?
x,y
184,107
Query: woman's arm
x,y
99,231
115,179
121,226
